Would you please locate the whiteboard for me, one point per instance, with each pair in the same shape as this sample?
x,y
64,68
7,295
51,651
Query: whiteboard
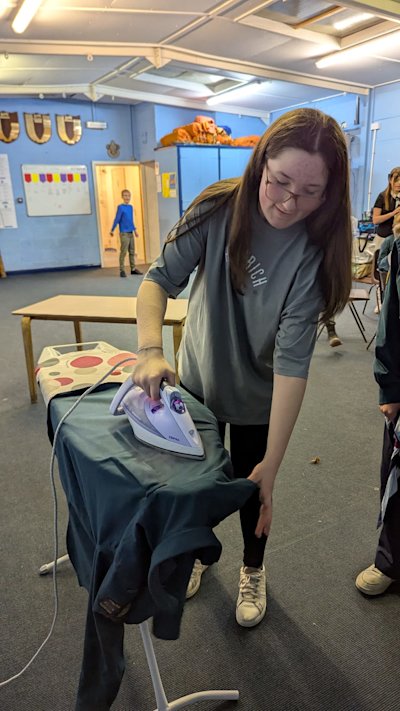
x,y
56,190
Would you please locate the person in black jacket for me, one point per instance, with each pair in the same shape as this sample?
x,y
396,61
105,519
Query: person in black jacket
x,y
387,205
376,579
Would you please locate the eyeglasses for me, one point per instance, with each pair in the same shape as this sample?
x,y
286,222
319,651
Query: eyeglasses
x,y
277,193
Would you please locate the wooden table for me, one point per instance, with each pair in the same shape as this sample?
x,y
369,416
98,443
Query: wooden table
x,y
98,309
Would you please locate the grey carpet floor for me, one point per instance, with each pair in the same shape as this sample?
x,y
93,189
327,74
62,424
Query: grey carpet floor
x,y
322,646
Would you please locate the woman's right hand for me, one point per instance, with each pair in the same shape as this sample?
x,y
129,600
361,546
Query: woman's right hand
x,y
396,211
150,369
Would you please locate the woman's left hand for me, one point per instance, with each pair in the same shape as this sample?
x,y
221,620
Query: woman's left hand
x,y
262,476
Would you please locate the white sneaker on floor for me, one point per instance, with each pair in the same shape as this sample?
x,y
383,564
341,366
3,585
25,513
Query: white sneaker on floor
x,y
195,578
372,581
252,599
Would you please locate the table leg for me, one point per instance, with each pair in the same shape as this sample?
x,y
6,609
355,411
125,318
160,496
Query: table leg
x,y
30,366
2,270
78,334
177,337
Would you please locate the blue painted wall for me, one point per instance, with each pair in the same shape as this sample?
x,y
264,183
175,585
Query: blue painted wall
x,y
241,125
144,131
60,241
385,109
168,208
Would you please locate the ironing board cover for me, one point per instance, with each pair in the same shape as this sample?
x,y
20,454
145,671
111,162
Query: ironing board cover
x,y
63,369
138,518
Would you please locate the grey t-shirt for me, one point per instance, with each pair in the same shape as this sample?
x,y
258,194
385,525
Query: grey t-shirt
x,y
233,343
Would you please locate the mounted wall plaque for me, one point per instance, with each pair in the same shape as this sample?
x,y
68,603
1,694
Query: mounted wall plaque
x,y
9,126
69,128
38,127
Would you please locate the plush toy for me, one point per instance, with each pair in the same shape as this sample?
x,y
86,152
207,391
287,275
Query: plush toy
x,y
204,130
246,141
178,135
205,119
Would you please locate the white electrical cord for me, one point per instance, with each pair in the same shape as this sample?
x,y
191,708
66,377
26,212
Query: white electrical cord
x,y
55,510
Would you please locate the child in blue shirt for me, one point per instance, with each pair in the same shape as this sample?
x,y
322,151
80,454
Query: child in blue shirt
x,y
124,218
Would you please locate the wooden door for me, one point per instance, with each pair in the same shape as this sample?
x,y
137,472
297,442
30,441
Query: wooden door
x,y
111,180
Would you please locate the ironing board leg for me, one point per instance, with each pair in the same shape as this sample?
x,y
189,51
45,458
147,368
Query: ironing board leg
x,y
161,699
183,701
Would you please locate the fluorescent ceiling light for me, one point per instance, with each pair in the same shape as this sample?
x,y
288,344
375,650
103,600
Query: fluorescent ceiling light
x,y
366,50
25,14
238,93
351,21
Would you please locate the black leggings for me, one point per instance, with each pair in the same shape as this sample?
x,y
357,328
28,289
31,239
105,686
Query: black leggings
x,y
247,448
387,558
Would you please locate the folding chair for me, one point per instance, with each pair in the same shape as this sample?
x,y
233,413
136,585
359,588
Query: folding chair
x,y
355,296
379,279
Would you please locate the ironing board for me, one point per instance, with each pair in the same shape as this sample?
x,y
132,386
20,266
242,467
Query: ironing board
x,y
116,489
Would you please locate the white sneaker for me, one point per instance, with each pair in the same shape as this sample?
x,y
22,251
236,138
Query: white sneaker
x,y
195,578
252,599
372,581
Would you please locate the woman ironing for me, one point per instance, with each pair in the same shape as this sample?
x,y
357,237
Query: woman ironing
x,y
272,251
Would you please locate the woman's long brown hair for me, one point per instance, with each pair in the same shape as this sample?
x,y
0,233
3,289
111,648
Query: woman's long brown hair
x,y
393,175
329,226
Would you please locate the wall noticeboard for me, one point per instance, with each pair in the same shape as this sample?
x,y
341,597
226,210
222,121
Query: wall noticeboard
x,y
8,217
169,185
56,190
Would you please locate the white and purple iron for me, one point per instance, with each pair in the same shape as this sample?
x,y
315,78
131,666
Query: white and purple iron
x,y
165,424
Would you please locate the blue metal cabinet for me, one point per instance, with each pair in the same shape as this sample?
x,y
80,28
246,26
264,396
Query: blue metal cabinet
x,y
195,167
233,161
198,167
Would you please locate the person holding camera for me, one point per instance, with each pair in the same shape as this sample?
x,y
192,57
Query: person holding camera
x,y
387,205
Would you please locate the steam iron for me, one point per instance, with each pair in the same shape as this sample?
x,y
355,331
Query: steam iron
x,y
166,424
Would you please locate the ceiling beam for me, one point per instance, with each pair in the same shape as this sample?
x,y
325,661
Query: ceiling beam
x,y
94,93
319,16
205,61
251,6
369,33
195,87
387,9
280,28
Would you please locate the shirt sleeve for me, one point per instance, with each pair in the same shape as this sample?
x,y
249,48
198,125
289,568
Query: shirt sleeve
x,y
380,201
117,219
181,255
295,340
387,350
